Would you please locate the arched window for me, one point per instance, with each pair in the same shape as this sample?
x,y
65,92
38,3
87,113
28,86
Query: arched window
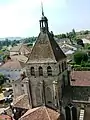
x,y
63,78
67,112
62,67
32,71
65,65
59,68
71,112
40,71
38,96
49,71
48,94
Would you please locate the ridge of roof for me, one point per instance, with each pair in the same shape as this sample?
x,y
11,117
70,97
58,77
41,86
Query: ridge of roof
x,y
12,64
22,102
38,111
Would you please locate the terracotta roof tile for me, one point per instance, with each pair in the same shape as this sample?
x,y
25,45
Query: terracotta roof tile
x,y
20,58
22,102
12,64
40,113
80,78
5,117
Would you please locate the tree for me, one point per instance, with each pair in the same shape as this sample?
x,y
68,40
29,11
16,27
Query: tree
x,y
74,33
63,35
2,79
86,32
80,56
80,42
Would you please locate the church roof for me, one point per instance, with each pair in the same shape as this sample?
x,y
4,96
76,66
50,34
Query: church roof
x,y
46,50
41,113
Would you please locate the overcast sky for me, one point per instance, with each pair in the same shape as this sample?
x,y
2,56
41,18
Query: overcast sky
x,y
20,18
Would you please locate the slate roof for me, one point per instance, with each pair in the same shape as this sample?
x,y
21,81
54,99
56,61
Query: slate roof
x,y
41,113
22,102
12,64
80,78
46,50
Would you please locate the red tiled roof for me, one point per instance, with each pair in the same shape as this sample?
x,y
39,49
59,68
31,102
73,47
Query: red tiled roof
x,y
22,102
40,113
80,78
12,64
5,117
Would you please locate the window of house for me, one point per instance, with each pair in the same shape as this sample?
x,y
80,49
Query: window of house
x,y
40,71
32,71
15,85
49,71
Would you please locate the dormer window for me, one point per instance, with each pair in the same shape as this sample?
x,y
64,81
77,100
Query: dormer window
x,y
49,71
32,71
40,71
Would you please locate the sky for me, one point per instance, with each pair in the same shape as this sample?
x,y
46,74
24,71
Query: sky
x,y
20,18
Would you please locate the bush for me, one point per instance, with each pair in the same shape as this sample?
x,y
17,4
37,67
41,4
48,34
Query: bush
x,y
80,56
82,69
83,64
87,64
76,66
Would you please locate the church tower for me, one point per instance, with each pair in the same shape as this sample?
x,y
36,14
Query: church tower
x,y
46,67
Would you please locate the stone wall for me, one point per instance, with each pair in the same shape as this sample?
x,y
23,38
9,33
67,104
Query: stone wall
x,y
52,97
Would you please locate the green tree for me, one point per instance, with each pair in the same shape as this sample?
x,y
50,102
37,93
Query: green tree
x,y
2,79
86,32
74,33
80,56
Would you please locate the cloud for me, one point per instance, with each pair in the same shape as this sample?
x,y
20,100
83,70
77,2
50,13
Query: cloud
x,y
20,16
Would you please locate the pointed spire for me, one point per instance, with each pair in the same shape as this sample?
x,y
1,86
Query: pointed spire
x,y
42,9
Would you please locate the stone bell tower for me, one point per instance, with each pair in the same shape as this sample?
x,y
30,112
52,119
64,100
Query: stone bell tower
x,y
45,68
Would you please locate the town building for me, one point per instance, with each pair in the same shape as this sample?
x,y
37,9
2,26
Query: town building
x,y
20,49
12,69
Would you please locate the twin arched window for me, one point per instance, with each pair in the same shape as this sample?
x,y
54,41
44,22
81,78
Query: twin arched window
x,y
62,67
71,113
32,71
49,71
40,69
65,65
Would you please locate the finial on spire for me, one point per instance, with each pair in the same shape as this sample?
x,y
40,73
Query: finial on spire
x,y
42,9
